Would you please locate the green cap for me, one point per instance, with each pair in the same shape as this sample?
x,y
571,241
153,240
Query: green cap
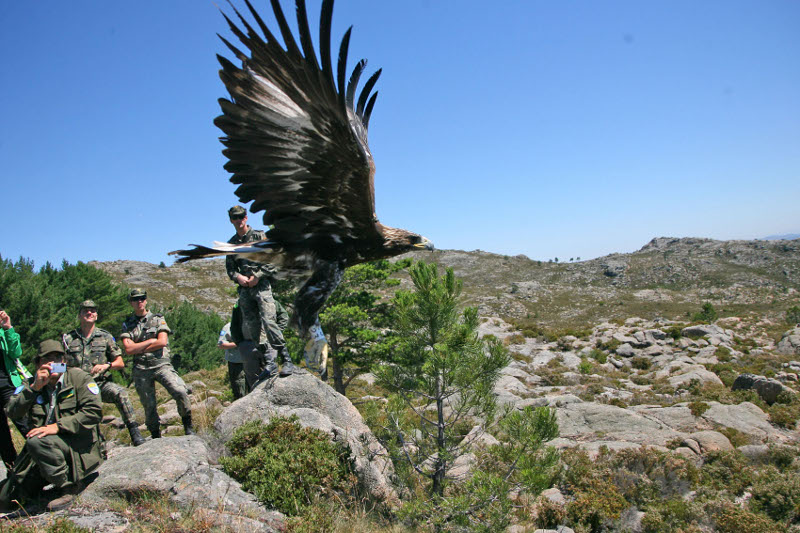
x,y
137,293
48,347
237,211
87,303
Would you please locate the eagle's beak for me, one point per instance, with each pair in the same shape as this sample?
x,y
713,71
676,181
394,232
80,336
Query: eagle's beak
x,y
425,245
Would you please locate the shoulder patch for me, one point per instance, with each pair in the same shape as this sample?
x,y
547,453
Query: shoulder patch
x,y
93,388
19,389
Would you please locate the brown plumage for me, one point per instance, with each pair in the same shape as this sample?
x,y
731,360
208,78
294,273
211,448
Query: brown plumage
x,y
296,143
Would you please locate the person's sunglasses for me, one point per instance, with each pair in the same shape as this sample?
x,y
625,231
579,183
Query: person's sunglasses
x,y
139,299
238,217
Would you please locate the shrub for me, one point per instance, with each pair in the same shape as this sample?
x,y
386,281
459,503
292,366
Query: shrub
x,y
777,494
640,362
706,315
793,315
585,366
727,471
783,415
596,504
598,355
736,437
723,354
672,515
732,519
698,408
285,465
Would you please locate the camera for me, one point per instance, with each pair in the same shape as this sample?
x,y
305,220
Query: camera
x,y
58,368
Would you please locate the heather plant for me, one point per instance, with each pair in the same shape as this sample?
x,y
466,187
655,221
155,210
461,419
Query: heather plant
x,y
286,465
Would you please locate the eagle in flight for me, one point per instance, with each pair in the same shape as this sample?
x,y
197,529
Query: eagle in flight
x,y
296,141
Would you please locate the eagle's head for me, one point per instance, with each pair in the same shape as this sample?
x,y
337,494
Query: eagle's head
x,y
399,241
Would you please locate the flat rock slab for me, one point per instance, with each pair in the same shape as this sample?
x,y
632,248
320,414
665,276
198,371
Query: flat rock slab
x,y
610,423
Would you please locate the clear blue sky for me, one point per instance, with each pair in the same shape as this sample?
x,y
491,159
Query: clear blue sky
x,y
546,128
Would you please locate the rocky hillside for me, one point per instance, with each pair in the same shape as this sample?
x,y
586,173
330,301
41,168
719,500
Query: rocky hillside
x,y
666,278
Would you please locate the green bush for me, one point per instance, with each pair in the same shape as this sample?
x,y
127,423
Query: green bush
x,y
598,355
707,314
723,354
698,408
286,465
793,315
675,514
727,471
640,362
777,494
783,415
585,366
732,519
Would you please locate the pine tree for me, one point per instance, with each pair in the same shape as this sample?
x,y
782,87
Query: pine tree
x,y
353,318
441,382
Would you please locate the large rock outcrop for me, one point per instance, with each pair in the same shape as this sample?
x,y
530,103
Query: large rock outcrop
x,y
317,405
181,468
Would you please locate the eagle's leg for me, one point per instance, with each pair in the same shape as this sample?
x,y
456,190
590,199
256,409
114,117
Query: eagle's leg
x,y
307,304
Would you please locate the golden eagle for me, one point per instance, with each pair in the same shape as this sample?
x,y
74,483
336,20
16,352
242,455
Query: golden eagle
x,y
296,143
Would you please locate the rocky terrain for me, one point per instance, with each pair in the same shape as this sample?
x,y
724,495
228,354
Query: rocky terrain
x,y
666,278
612,344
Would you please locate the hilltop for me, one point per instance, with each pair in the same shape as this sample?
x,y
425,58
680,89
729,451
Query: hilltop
x,y
666,278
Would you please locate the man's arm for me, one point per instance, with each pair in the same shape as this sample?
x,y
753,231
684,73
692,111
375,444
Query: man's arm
x,y
146,346
12,337
116,364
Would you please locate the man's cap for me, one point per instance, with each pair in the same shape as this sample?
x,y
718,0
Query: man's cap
x,y
237,211
137,293
87,303
48,347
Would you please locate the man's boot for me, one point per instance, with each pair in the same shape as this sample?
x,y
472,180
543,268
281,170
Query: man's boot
x,y
155,431
68,495
271,366
136,437
187,425
287,366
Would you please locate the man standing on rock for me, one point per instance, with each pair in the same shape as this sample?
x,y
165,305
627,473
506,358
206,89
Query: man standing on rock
x,y
64,447
255,293
96,352
145,335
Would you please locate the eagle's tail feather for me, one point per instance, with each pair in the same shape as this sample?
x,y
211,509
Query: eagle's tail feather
x,y
220,249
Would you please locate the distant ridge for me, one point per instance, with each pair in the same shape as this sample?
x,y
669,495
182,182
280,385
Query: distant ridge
x,y
784,237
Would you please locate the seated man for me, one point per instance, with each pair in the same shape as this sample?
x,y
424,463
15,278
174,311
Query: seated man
x,y
64,446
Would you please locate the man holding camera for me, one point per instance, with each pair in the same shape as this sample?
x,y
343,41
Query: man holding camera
x,y
145,335
96,352
64,447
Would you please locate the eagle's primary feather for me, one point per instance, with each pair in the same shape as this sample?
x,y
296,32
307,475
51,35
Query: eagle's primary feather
x,y
296,143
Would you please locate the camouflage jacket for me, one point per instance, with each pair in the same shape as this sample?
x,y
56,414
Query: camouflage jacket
x,y
98,349
140,329
239,265
77,410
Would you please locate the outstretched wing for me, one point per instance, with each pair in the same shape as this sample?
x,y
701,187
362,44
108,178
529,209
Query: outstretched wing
x,y
296,140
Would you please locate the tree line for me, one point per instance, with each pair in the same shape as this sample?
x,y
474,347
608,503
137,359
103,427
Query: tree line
x,y
43,305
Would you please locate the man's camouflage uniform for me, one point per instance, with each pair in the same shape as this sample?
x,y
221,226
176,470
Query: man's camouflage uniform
x,y
99,349
156,366
259,313
63,459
